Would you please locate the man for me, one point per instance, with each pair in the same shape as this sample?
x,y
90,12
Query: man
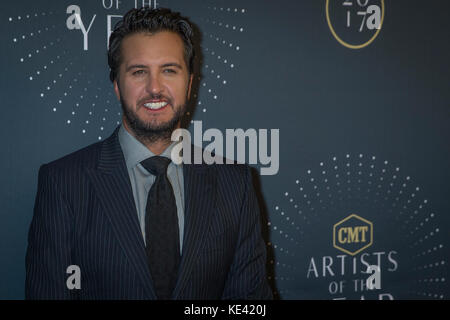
x,y
137,225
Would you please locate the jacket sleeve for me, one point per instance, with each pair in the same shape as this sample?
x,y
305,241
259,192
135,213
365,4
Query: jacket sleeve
x,y
49,242
247,278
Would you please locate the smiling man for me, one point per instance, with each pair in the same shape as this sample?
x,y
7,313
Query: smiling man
x,y
135,224
153,84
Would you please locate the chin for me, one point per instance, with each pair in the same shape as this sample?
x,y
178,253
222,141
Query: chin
x,y
156,123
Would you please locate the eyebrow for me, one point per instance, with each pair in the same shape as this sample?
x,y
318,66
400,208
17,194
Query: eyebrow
x,y
136,66
141,66
172,64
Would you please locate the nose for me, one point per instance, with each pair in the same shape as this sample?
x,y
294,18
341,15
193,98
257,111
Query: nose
x,y
155,85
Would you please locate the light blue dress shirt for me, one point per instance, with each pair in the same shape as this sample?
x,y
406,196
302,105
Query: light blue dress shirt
x,y
141,180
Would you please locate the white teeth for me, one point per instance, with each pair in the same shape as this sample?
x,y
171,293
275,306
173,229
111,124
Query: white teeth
x,y
155,105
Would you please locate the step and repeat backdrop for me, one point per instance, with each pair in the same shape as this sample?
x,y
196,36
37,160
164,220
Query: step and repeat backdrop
x,y
346,105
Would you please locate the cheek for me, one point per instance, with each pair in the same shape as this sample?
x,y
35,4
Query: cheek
x,y
179,91
131,92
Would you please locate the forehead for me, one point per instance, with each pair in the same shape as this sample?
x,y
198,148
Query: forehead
x,y
159,46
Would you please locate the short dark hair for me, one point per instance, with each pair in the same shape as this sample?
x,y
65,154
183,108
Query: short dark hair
x,y
150,20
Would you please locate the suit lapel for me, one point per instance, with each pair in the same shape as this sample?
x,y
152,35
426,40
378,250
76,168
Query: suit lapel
x,y
112,184
200,196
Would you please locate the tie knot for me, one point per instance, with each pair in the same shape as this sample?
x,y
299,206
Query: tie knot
x,y
156,165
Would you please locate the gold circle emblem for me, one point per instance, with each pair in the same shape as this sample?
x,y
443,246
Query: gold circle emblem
x,y
346,44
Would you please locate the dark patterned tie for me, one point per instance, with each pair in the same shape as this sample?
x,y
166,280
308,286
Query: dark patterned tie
x,y
161,229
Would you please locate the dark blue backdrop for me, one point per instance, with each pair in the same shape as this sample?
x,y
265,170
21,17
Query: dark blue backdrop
x,y
362,131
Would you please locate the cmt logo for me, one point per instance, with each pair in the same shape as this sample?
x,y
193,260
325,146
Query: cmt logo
x,y
352,234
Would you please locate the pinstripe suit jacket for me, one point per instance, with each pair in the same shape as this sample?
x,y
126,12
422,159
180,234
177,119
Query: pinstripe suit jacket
x,y
85,215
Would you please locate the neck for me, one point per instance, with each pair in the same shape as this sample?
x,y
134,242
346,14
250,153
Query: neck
x,y
156,146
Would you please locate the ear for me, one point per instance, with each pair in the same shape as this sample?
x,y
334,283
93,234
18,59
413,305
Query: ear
x,y
191,78
116,89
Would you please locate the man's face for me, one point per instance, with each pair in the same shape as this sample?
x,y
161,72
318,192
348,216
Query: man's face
x,y
153,83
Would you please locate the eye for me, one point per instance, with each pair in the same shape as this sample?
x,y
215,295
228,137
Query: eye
x,y
169,71
138,72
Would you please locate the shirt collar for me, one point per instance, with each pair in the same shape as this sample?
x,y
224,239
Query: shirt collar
x,y
135,152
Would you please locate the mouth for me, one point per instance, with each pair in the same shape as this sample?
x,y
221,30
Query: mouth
x,y
155,105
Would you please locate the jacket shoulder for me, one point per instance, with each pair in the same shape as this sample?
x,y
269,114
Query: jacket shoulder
x,y
86,157
236,177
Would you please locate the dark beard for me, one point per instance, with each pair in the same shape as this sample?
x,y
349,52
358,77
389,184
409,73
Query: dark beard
x,y
148,133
